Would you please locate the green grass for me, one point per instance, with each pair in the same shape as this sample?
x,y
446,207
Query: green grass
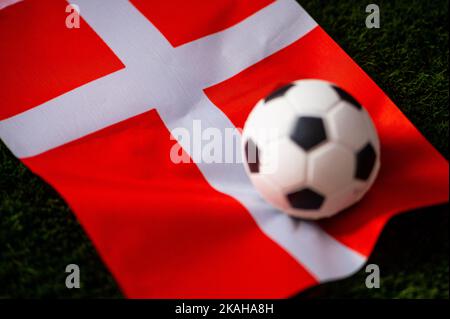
x,y
407,57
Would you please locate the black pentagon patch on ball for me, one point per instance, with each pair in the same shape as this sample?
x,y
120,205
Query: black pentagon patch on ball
x,y
252,156
306,199
347,97
365,162
278,92
308,132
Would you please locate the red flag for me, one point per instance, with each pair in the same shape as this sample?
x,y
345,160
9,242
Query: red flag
x,y
90,110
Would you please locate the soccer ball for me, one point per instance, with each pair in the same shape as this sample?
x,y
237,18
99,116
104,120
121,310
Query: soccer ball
x,y
311,149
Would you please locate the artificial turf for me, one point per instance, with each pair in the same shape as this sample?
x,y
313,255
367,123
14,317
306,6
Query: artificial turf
x,y
407,57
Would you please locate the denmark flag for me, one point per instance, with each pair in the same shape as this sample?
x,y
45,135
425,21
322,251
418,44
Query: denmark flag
x,y
90,109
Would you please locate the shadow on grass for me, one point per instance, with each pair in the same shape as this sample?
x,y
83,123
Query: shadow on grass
x,y
412,253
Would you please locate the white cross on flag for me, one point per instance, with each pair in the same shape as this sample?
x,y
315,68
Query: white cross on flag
x,y
91,109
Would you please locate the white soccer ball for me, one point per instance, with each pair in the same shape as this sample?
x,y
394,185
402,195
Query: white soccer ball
x,y
311,149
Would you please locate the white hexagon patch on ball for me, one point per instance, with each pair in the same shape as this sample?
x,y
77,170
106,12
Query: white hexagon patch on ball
x,y
311,149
